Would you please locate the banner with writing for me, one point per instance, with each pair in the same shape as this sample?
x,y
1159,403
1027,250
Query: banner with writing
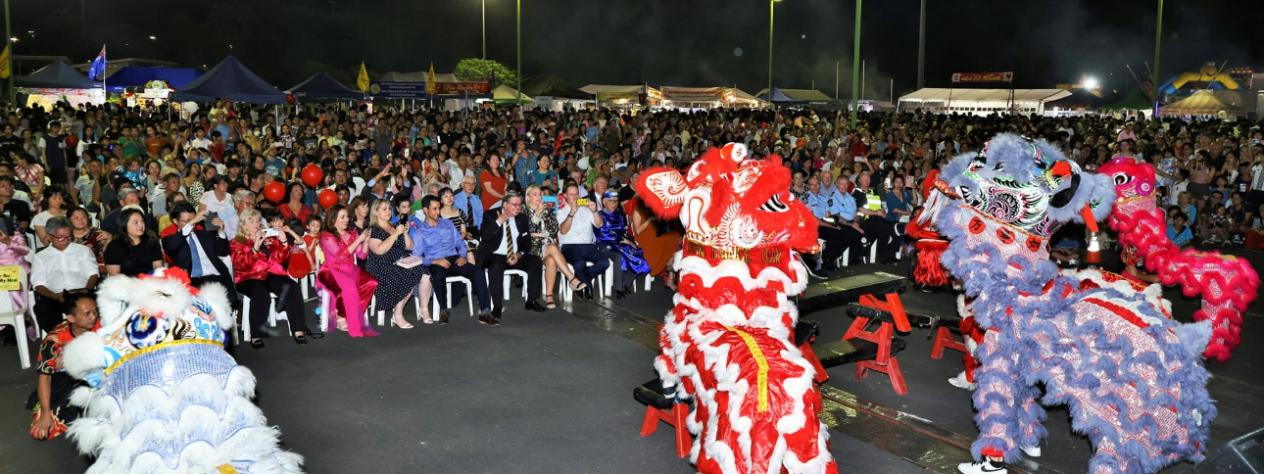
x,y
999,76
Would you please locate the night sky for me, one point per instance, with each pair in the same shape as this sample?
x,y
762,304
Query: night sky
x,y
676,42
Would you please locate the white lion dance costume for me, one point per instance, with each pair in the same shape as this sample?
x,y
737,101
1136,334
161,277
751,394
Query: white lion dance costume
x,y
164,395
728,342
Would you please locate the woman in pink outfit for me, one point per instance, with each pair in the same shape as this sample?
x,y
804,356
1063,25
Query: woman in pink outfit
x,y
13,250
348,286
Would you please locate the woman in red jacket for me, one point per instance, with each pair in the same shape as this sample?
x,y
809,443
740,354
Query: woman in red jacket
x,y
259,259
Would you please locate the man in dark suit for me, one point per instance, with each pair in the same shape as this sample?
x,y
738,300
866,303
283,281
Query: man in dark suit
x,y
504,243
200,252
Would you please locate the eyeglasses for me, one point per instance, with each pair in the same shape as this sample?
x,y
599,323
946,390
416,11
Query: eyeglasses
x,y
61,237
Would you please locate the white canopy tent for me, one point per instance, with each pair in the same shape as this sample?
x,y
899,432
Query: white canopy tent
x,y
980,101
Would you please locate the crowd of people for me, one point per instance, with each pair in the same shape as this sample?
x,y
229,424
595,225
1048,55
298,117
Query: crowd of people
x,y
423,195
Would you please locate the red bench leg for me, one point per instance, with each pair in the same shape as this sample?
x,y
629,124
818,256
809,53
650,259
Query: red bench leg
x,y
650,424
944,339
676,418
810,355
884,362
683,440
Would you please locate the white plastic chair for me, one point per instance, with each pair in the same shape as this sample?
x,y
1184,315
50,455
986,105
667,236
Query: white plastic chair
x,y
602,284
514,273
273,315
11,316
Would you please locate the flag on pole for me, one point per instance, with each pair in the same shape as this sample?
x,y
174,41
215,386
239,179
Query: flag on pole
x,y
96,71
4,62
430,81
362,81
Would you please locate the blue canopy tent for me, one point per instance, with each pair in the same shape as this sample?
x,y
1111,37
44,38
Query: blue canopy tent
x,y
230,80
778,96
323,87
138,76
57,75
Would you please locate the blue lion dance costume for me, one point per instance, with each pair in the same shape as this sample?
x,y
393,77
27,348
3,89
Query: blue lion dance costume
x,y
164,397
1133,377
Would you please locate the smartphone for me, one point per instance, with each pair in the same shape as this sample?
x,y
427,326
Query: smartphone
x,y
206,223
550,200
271,233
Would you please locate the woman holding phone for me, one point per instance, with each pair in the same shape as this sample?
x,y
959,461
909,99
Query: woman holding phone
x,y
259,257
388,244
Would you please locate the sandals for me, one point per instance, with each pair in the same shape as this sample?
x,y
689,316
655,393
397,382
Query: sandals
x,y
548,302
398,321
424,318
576,287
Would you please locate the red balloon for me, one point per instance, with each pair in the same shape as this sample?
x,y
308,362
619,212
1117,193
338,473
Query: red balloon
x,y
274,191
327,198
312,175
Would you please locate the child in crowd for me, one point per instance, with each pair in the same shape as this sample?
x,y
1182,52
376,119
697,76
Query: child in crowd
x,y
1177,231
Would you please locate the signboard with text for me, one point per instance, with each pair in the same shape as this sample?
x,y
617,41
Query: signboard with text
x,y
999,76
462,88
398,90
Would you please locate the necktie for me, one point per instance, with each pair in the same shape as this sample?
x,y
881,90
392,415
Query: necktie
x,y
509,243
469,208
195,256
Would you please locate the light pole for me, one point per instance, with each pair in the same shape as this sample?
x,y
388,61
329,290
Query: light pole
x,y
1154,75
855,66
518,26
921,47
770,25
8,41
484,29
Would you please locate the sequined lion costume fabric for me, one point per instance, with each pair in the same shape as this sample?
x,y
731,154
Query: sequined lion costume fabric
x,y
1132,377
728,342
163,395
1227,284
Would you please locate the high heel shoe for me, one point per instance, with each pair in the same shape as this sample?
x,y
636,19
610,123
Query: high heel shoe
x,y
424,318
548,302
577,285
398,321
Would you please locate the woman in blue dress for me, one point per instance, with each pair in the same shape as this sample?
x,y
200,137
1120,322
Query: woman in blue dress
x,y
612,237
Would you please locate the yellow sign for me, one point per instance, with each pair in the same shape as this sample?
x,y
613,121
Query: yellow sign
x,y
10,278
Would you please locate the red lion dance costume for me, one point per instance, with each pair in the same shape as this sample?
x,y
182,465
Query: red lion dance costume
x,y
1228,284
728,342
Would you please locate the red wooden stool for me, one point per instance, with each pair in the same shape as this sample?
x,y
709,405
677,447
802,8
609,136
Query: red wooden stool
x,y
945,339
889,313
660,408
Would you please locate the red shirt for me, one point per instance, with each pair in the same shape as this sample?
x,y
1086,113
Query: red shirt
x,y
303,213
257,265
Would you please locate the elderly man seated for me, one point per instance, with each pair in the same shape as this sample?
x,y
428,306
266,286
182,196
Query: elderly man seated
x,y
61,268
440,246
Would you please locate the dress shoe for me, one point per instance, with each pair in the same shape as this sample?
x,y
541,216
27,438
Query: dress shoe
x,y
620,294
496,313
443,316
586,293
535,305
488,320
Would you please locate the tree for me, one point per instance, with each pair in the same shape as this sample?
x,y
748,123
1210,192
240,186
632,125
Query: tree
x,y
476,69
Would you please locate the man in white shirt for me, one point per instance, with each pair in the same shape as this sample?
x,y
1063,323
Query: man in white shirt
x,y
61,268
576,221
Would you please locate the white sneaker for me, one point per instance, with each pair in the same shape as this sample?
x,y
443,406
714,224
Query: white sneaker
x,y
982,467
1031,451
960,382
